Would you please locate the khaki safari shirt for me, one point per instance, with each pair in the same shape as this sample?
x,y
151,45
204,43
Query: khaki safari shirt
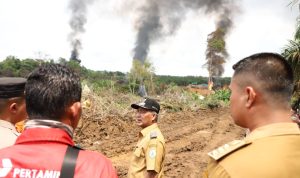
x,y
8,134
271,151
149,153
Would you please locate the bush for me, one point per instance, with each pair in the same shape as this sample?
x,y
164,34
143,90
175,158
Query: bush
x,y
211,103
218,99
223,95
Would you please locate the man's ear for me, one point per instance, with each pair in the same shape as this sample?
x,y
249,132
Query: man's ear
x,y
154,115
13,107
74,113
251,96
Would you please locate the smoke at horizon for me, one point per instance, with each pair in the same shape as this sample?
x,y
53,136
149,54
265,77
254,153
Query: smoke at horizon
x,y
78,20
158,19
216,52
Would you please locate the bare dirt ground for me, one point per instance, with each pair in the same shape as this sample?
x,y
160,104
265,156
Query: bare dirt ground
x,y
189,135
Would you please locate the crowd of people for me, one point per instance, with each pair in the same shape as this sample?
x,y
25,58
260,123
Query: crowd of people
x,y
49,99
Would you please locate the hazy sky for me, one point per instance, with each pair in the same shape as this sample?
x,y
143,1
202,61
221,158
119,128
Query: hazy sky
x,y
40,29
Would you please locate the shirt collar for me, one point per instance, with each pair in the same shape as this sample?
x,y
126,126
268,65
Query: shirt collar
x,y
45,135
43,123
274,130
146,130
8,125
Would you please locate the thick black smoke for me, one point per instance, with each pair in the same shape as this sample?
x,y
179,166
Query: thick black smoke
x,y
216,52
161,18
149,29
78,20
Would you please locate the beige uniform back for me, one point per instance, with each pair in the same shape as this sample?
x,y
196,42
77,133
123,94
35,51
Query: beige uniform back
x,y
8,134
272,151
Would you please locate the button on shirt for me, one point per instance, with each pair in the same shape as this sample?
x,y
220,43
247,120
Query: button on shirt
x,y
8,134
149,153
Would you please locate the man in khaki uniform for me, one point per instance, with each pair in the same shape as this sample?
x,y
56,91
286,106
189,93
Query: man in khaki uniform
x,y
149,154
261,88
12,108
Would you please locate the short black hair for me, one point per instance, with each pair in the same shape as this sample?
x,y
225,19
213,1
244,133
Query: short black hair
x,y
49,90
271,71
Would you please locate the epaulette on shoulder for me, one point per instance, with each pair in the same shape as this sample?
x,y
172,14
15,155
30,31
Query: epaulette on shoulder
x,y
227,149
153,134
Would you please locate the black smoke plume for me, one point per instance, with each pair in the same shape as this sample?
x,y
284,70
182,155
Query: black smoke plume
x,y
161,18
78,20
216,52
149,29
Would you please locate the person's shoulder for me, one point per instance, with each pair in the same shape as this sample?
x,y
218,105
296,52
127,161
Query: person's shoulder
x,y
95,159
156,134
9,139
6,147
5,130
95,164
93,156
9,134
227,149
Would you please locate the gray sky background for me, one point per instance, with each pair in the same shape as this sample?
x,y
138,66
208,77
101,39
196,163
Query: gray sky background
x,y
40,29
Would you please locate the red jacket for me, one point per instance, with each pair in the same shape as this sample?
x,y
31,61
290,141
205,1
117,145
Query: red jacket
x,y
39,153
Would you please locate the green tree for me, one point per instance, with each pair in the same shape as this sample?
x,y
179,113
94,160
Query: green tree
x,y
141,73
28,65
10,66
292,53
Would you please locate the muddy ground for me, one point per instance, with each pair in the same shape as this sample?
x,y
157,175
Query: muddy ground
x,y
189,136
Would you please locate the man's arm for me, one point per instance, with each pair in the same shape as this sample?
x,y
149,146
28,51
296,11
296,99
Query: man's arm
x,y
154,157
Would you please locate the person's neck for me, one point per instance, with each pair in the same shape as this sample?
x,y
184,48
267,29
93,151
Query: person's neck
x,y
268,117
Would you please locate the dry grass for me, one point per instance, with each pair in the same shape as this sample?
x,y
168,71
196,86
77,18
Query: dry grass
x,y
108,103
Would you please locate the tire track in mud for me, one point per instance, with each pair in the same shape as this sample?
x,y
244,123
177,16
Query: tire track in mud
x,y
187,157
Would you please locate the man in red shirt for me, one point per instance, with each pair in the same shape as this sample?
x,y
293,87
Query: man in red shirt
x,y
53,94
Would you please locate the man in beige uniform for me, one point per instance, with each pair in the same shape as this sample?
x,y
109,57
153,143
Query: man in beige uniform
x,y
261,88
12,108
149,153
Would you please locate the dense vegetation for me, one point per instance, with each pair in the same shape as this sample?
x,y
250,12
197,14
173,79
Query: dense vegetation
x,y
292,53
12,66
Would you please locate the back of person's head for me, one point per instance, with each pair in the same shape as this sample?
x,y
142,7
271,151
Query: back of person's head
x,y
270,73
12,99
5,102
49,90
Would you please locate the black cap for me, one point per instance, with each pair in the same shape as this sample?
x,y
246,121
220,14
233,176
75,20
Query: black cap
x,y
148,103
12,87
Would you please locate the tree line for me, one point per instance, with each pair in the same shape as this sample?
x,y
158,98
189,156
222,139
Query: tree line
x,y
14,67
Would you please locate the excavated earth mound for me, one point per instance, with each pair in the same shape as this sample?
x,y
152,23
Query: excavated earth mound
x,y
189,133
